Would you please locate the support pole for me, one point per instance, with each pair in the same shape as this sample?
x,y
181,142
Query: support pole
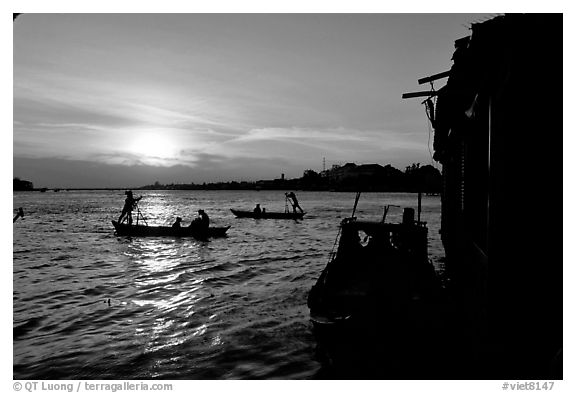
x,y
419,204
356,203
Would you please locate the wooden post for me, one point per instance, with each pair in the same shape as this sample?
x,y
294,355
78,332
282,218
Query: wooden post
x,y
419,204
356,203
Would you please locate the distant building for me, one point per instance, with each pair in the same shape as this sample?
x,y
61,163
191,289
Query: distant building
x,y
368,177
351,172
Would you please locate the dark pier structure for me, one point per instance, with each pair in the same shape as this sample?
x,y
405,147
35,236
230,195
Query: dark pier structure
x,y
498,135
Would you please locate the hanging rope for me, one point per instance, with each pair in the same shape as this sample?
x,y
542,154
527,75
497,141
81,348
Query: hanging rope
x,y
332,253
429,106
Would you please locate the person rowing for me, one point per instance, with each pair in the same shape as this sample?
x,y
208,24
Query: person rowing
x,y
291,196
129,204
19,214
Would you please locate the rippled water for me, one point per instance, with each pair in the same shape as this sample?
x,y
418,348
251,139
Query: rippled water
x,y
91,305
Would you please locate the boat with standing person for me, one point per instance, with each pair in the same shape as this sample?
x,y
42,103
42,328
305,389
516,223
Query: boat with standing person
x,y
258,213
269,215
149,230
199,228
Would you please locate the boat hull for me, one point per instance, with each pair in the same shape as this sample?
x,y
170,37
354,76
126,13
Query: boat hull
x,y
378,309
145,230
267,215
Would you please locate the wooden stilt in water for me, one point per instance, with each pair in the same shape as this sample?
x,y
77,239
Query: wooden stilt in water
x,y
356,203
419,205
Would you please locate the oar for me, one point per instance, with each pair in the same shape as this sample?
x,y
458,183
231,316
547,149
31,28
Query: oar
x,y
386,208
288,200
140,215
356,203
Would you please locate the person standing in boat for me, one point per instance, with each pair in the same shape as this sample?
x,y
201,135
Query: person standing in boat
x,y
19,214
257,209
129,204
295,204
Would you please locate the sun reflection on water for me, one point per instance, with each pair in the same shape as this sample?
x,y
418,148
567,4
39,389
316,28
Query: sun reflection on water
x,y
200,330
169,290
216,340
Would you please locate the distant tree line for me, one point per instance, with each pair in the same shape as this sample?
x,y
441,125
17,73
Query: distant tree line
x,y
22,185
349,177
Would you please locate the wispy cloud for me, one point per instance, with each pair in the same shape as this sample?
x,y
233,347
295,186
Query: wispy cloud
x,y
330,139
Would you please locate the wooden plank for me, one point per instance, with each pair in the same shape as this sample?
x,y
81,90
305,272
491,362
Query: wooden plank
x,y
434,77
420,94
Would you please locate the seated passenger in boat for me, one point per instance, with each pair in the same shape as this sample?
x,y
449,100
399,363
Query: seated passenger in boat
x,y
202,221
257,209
177,223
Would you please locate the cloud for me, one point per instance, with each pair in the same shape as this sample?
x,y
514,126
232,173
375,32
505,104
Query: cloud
x,y
216,96
330,141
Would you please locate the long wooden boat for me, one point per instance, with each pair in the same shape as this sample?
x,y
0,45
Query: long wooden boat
x,y
271,215
147,230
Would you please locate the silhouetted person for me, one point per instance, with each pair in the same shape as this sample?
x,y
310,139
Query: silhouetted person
x,y
295,204
257,209
177,223
264,211
202,221
129,204
19,214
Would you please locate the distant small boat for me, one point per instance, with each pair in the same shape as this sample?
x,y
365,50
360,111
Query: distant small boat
x,y
265,215
147,230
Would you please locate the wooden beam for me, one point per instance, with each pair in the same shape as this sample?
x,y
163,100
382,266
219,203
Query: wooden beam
x,y
434,77
420,94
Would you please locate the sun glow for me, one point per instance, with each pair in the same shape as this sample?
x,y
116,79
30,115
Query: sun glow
x,y
154,146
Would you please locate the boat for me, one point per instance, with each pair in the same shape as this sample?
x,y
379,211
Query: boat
x,y
376,264
267,215
376,302
149,230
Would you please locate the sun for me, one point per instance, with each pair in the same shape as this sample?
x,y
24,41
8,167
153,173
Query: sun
x,y
154,146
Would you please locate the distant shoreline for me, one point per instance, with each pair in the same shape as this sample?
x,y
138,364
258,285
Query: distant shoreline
x,y
346,178
223,189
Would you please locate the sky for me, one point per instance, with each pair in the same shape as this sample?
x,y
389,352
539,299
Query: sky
x,y
124,100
